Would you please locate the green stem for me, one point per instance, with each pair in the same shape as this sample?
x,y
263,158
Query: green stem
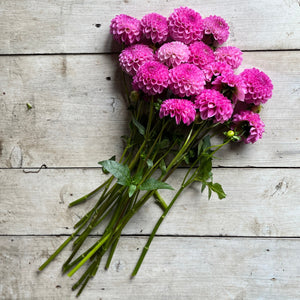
x,y
160,201
145,250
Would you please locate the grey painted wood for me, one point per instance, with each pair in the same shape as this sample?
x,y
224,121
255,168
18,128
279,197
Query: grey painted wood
x,y
82,26
174,268
78,115
260,202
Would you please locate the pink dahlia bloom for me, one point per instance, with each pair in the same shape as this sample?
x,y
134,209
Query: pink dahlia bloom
x,y
214,69
201,54
151,78
186,80
230,55
173,54
250,124
231,86
212,104
216,30
155,27
185,25
258,86
180,109
132,57
126,29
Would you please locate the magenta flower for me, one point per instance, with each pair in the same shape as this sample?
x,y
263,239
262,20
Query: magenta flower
x,y
155,27
151,78
201,54
186,80
126,29
185,25
250,124
216,30
231,86
214,69
230,55
212,103
173,54
132,57
258,86
183,110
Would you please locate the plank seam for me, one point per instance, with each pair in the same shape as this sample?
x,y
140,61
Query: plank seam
x,y
117,52
160,236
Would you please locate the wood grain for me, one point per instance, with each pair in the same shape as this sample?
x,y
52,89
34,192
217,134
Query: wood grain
x,y
174,268
78,114
82,26
260,202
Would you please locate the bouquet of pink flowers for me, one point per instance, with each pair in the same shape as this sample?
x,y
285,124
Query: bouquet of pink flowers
x,y
181,89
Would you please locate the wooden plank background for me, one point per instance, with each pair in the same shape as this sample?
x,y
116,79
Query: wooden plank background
x,y
58,56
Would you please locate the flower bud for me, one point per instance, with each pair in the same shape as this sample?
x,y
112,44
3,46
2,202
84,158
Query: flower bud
x,y
134,96
230,133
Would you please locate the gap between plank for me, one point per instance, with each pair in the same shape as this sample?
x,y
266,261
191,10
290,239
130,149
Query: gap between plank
x,y
117,52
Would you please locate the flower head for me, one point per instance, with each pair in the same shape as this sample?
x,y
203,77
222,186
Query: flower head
x,y
132,57
258,86
126,29
173,54
230,85
215,69
212,104
201,54
230,55
250,124
216,30
186,80
151,78
183,110
185,25
155,27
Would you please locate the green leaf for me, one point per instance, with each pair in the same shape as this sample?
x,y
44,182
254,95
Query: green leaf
x,y
132,189
163,167
106,171
217,188
137,177
204,144
204,172
203,186
121,172
153,184
149,163
164,144
209,194
139,126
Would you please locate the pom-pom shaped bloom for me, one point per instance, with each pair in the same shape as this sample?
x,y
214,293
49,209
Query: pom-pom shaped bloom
x,y
155,27
186,80
249,124
201,54
180,109
173,54
132,57
258,86
151,78
216,30
214,69
230,55
185,25
126,29
231,86
212,103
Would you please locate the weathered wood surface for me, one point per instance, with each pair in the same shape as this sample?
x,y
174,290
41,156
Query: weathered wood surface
x,y
79,114
181,268
260,202
82,26
77,119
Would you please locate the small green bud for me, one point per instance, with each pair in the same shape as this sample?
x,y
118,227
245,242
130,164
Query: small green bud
x,y
230,133
134,96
